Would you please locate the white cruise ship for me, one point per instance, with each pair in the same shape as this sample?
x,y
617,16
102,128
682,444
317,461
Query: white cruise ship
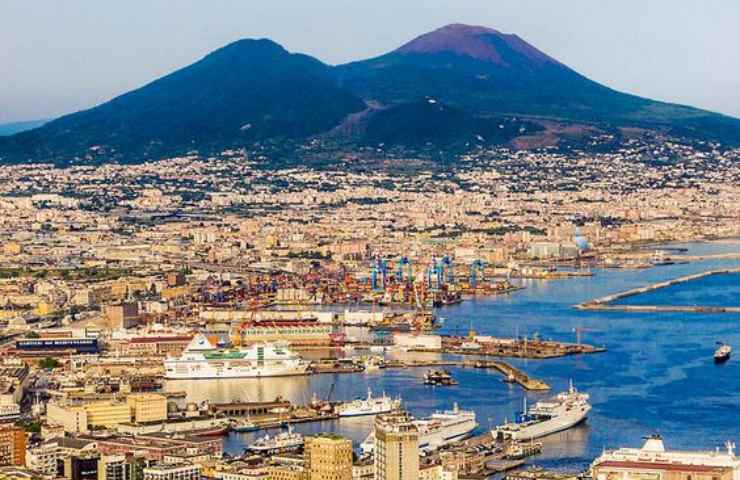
x,y
562,412
369,406
201,360
437,430
282,442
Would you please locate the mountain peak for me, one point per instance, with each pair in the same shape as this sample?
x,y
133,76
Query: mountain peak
x,y
482,43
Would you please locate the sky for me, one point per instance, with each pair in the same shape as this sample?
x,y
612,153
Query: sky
x,y
57,57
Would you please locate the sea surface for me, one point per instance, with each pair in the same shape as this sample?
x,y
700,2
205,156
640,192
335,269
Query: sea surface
x,y
657,375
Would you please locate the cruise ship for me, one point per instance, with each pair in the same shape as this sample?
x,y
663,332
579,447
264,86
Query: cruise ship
x,y
369,406
437,430
202,360
562,412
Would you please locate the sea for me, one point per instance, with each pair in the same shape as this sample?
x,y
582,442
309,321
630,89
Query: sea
x,y
656,377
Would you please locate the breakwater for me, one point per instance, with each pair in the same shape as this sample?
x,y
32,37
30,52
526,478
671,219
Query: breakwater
x,y
607,302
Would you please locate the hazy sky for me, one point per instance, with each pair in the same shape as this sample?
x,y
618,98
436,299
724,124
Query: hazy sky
x,y
62,56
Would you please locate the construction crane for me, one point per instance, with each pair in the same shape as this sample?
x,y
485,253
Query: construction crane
x,y
253,307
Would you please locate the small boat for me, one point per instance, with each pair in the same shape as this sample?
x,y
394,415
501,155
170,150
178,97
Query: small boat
x,y
243,426
439,377
723,352
519,450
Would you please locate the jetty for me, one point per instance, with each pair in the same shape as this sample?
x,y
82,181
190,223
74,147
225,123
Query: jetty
x,y
607,302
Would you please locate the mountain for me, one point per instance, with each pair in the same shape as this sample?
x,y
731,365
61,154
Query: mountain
x,y
452,88
247,91
490,73
12,128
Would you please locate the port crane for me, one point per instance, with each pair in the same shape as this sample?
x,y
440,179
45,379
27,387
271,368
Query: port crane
x,y
477,268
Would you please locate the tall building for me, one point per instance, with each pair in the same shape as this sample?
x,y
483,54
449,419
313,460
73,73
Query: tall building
x,y
328,457
12,446
396,448
82,467
654,461
147,407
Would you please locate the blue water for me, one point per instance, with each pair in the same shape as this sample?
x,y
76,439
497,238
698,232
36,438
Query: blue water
x,y
657,375
713,290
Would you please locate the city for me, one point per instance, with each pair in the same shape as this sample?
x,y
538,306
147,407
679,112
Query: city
x,y
524,287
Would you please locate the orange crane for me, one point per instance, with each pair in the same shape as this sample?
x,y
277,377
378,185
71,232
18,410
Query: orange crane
x,y
237,338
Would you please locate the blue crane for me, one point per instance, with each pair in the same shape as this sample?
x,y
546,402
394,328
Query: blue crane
x,y
476,268
399,270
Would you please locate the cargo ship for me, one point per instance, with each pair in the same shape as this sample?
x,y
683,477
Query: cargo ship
x,y
202,360
437,430
546,417
369,406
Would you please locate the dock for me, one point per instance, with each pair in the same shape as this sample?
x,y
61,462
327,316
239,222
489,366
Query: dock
x,y
606,303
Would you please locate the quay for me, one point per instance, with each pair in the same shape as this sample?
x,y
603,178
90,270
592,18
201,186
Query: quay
x,y
515,348
607,302
511,373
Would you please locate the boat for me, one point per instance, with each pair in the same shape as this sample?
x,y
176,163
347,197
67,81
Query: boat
x,y
437,430
369,406
520,450
723,352
202,360
282,442
243,426
546,417
439,377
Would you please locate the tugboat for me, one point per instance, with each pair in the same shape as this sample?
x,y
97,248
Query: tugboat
x,y
439,377
723,352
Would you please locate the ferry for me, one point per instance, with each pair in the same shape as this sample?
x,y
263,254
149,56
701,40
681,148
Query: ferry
x,y
202,360
723,352
282,442
437,430
369,406
546,417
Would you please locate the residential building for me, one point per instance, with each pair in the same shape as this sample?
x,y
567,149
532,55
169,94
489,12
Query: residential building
x,y
12,445
172,472
396,447
328,457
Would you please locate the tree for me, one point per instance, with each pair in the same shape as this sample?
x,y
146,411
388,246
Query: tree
x,y
50,363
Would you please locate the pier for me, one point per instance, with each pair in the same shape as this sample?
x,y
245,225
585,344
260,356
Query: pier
x,y
607,302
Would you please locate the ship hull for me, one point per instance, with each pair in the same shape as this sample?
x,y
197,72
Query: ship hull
x,y
175,370
548,427
363,413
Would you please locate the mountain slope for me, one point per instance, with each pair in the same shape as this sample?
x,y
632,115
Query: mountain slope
x,y
249,90
12,128
485,71
485,84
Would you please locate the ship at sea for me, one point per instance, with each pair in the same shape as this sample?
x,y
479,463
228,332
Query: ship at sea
x,y
202,360
368,406
545,417
437,430
282,442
